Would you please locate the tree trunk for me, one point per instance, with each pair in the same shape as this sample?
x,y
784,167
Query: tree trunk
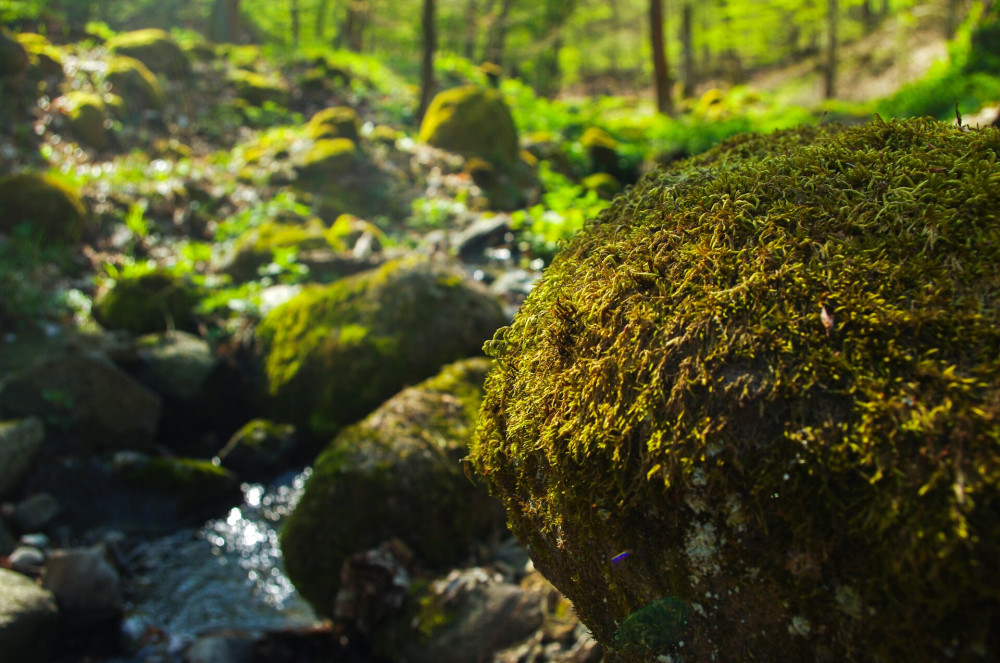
x,y
296,27
354,24
661,75
224,22
687,43
319,26
830,61
427,68
868,15
952,21
498,34
471,32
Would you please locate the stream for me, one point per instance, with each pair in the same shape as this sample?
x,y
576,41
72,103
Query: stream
x,y
227,575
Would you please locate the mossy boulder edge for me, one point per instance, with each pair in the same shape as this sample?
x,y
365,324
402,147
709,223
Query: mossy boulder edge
x,y
753,409
334,353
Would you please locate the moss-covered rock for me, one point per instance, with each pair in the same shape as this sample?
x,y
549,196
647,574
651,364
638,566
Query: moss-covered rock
x,y
131,80
257,89
86,114
329,159
256,247
53,209
335,122
384,476
602,149
151,302
41,53
153,47
334,353
260,450
29,619
21,442
753,409
604,185
472,121
194,486
476,123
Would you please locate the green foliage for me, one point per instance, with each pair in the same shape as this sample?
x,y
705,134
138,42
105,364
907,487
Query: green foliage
x,y
26,300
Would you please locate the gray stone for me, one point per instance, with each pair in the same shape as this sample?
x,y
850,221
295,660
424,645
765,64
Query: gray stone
x,y
179,363
484,233
35,512
20,443
29,618
104,405
220,649
27,560
86,586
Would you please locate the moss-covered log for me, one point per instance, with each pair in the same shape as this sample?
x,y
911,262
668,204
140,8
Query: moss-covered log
x,y
752,411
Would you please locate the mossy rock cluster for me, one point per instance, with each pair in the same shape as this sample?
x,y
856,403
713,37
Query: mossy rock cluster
x,y
752,411
257,89
394,474
256,247
335,122
138,87
334,353
87,114
53,210
155,48
476,123
13,57
195,486
151,302
42,55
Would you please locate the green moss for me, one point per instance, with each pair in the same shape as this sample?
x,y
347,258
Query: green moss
x,y
154,48
53,209
87,115
381,477
13,58
151,302
605,184
41,53
472,121
770,374
131,80
336,122
256,247
328,158
257,89
335,352
196,484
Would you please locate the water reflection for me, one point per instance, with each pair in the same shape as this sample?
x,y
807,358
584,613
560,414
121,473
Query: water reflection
x,y
227,575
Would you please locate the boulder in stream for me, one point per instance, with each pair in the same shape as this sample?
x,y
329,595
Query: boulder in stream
x,y
21,441
29,619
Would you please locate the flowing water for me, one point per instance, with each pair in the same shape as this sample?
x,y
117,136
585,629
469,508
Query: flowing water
x,y
225,576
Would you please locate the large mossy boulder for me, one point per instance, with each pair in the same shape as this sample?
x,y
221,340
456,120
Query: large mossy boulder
x,y
256,89
29,619
153,47
53,210
335,122
472,121
21,442
396,474
752,411
42,55
145,303
334,353
138,87
476,123
13,57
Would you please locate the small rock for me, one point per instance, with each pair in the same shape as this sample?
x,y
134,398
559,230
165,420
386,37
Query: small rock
x,y
27,560
260,450
29,619
220,649
484,233
35,512
86,586
20,443
179,363
36,540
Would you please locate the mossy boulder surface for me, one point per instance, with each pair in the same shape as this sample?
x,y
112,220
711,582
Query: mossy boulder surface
x,y
13,57
41,53
334,353
256,247
472,121
394,474
52,208
335,122
155,48
151,302
257,89
131,80
86,114
754,407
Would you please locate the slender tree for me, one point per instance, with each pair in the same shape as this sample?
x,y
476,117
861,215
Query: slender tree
x,y
498,33
687,49
427,69
223,25
830,60
471,29
661,73
296,27
354,24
